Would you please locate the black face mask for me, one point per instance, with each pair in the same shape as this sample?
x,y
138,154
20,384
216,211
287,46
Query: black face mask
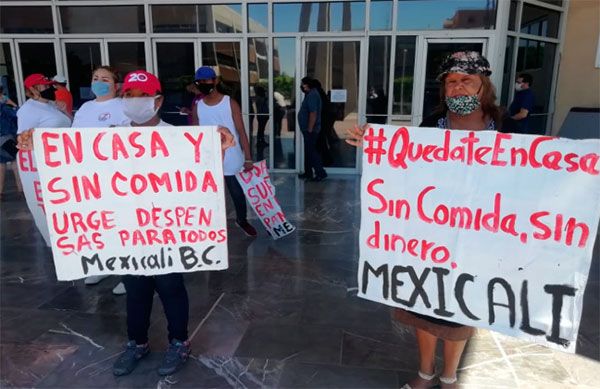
x,y
49,94
205,88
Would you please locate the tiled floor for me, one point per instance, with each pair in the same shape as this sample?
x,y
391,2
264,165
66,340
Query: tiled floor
x,y
284,315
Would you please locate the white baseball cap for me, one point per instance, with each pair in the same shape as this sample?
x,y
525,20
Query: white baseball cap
x,y
60,79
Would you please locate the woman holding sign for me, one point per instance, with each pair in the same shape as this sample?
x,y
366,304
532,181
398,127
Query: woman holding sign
x,y
142,100
467,103
106,110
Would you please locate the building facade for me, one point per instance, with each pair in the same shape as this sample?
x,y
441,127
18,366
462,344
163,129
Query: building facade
x,y
377,60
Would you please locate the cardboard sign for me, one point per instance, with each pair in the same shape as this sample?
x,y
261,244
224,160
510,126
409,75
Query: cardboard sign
x,y
32,189
133,200
481,228
260,193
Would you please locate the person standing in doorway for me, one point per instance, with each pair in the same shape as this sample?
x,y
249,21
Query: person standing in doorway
x,y
217,109
64,98
523,103
309,119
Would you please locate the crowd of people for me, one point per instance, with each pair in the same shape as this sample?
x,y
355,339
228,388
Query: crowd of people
x,y
468,102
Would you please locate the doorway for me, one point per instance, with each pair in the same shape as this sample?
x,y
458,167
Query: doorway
x,y
336,64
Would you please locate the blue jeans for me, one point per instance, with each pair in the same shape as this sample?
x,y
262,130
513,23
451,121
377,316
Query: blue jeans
x,y
312,159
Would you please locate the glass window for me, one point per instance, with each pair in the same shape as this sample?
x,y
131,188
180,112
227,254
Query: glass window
x,y
258,17
127,56
223,18
284,121
37,58
336,65
381,15
446,14
378,78
404,75
512,18
224,57
322,16
26,20
537,59
508,80
102,19
258,76
82,59
558,3
7,72
175,69
539,21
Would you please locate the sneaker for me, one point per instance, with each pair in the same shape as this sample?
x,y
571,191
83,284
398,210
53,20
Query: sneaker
x,y
305,176
177,354
119,290
93,280
130,358
247,228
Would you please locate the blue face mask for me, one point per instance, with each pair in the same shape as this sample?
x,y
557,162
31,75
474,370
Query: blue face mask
x,y
100,88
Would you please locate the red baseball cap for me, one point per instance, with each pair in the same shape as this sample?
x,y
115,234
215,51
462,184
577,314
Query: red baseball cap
x,y
142,80
37,79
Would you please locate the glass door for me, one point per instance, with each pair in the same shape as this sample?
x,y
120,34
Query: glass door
x,y
336,65
435,52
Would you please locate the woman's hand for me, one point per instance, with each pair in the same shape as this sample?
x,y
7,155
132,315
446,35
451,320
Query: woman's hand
x,y
25,140
248,165
227,139
355,135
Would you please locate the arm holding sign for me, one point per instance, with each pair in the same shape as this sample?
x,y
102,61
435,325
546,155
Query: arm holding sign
x,y
236,112
355,135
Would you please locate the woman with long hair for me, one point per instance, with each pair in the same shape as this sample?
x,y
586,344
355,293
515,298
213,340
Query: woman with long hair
x,y
468,102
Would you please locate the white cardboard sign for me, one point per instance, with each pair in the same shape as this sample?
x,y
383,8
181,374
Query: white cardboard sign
x,y
133,200
481,228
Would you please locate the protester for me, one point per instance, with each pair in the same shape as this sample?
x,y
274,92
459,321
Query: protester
x,y
63,97
106,110
4,99
522,106
217,109
309,119
467,103
8,132
142,100
40,109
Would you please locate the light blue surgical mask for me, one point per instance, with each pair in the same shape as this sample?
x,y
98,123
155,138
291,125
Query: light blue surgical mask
x,y
100,88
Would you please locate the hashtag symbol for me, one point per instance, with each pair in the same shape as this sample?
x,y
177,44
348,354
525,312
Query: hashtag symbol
x,y
374,145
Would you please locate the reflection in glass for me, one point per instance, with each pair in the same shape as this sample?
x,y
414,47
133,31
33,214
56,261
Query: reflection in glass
x,y
82,59
537,59
284,114
378,78
446,14
436,52
404,75
224,57
512,18
258,76
102,19
508,80
336,66
381,15
175,61
539,21
26,20
37,58
258,17
223,18
7,72
319,16
127,56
